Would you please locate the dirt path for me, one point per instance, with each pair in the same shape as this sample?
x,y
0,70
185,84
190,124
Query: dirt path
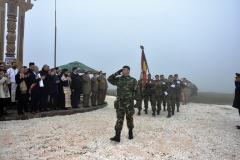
x,y
200,131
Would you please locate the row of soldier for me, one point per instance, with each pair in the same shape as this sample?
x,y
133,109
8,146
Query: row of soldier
x,y
163,94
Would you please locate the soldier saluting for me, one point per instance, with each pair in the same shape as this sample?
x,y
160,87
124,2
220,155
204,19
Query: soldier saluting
x,y
124,105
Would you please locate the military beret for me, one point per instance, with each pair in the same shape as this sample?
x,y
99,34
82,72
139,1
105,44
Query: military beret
x,y
31,63
127,67
237,74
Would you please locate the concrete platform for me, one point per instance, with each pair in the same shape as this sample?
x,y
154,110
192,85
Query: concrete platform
x,y
12,114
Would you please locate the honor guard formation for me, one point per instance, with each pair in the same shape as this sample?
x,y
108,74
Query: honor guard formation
x,y
163,94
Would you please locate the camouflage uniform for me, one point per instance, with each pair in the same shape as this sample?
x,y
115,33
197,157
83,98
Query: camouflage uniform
x,y
179,86
126,88
139,97
158,95
94,88
86,89
164,89
186,91
146,96
171,97
105,88
102,89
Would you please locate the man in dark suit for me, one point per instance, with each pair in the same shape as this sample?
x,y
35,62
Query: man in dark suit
x,y
236,102
76,87
34,80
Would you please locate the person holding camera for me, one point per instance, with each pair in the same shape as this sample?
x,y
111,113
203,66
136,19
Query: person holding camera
x,y
124,105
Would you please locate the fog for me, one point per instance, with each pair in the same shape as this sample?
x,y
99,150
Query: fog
x,y
198,40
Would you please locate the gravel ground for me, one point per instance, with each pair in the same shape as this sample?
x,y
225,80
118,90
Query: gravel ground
x,y
199,131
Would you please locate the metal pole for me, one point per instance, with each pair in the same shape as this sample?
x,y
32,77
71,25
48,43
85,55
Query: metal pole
x,y
55,36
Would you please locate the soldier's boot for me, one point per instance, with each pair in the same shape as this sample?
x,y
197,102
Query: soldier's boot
x,y
173,110
177,108
146,111
158,112
169,115
153,114
164,108
116,138
139,112
130,134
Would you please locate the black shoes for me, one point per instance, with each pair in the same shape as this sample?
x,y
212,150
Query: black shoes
x,y
153,114
116,138
130,134
169,115
139,113
146,112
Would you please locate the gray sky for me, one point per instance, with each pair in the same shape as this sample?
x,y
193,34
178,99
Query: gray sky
x,y
199,39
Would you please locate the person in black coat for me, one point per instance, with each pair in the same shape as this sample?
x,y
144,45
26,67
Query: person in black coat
x,y
76,88
44,89
34,80
53,82
22,91
236,102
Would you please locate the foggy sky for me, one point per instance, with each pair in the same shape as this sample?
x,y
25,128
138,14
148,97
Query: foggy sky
x,y
198,39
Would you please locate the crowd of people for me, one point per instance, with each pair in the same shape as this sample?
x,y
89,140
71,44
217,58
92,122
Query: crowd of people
x,y
34,90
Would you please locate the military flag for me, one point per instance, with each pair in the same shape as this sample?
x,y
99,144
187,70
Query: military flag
x,y
144,67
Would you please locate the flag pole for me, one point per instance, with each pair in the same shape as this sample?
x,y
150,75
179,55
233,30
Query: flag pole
x,y
55,36
142,48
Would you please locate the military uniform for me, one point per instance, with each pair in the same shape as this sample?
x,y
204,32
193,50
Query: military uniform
x,y
164,86
171,98
179,86
102,89
139,97
124,105
105,88
186,91
146,96
158,95
86,89
154,95
94,88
